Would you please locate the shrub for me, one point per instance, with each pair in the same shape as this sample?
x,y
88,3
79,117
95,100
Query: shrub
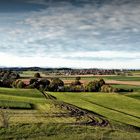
x,y
125,90
77,88
56,84
92,86
20,84
78,78
108,89
32,86
101,82
33,80
8,75
41,87
76,82
37,75
45,82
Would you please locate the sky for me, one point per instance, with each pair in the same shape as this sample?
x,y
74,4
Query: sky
x,y
70,33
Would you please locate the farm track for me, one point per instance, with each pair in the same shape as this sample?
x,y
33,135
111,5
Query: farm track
x,y
93,119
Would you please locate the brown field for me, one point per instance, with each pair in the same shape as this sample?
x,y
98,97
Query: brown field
x,y
136,83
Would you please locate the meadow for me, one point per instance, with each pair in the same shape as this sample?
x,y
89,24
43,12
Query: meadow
x,y
113,106
47,120
71,115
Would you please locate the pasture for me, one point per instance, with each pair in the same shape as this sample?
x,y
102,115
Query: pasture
x,y
113,106
36,116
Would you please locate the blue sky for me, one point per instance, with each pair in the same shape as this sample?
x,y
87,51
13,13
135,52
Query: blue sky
x,y
70,33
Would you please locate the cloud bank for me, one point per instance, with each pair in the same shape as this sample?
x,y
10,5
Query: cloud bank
x,y
80,33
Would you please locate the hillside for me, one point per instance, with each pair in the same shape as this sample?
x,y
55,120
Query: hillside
x,y
111,106
72,116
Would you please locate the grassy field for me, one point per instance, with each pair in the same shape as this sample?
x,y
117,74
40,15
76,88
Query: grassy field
x,y
15,104
38,117
27,74
91,78
21,92
135,88
112,106
64,132
135,95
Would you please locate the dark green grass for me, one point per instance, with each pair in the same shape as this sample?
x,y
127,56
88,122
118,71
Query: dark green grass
x,y
133,95
64,132
14,104
118,78
21,92
135,88
22,99
32,96
123,78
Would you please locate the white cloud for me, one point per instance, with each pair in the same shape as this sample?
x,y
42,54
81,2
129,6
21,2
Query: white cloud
x,y
61,61
69,32
104,54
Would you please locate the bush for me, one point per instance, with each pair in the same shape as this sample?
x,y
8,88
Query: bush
x,y
66,88
33,80
37,75
101,82
78,78
45,82
77,88
92,86
32,86
70,88
41,87
56,84
20,84
76,82
108,89
8,75
7,83
125,90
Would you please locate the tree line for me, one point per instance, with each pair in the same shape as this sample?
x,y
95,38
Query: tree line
x,y
11,79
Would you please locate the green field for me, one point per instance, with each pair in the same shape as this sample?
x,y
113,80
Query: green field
x,y
39,117
135,88
21,92
135,94
29,74
112,106
118,78
15,104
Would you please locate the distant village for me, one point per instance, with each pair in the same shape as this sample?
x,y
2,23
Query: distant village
x,y
70,71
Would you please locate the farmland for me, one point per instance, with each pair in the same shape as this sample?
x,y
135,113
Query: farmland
x,y
35,113
110,79
71,115
114,107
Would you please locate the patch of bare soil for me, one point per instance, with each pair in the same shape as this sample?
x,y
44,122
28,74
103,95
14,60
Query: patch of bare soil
x,y
135,83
